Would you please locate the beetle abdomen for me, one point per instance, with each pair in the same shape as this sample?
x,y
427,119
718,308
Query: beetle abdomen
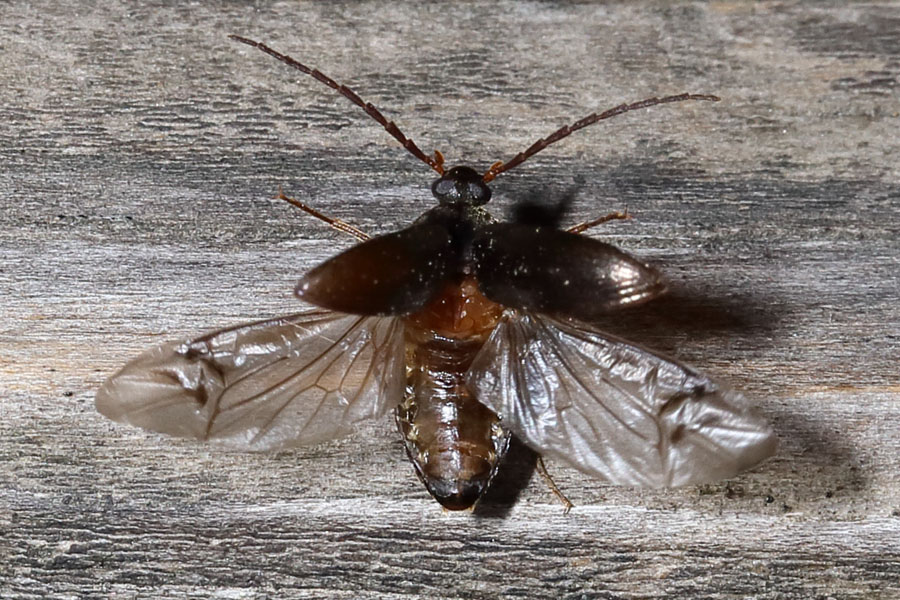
x,y
454,442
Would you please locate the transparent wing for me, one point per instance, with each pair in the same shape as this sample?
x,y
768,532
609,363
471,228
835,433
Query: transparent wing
x,y
291,381
612,409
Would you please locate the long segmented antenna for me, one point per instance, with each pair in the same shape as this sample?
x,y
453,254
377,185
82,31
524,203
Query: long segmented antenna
x,y
436,162
500,167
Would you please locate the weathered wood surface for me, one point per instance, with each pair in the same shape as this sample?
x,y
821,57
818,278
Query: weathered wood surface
x,y
139,149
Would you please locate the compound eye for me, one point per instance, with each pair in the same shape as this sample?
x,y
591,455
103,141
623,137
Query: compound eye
x,y
478,193
444,189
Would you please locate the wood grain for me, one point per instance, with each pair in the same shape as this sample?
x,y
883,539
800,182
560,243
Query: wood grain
x,y
140,149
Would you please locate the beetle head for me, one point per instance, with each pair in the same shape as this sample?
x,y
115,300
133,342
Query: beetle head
x,y
461,186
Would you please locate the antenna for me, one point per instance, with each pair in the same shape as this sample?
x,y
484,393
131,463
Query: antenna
x,y
436,162
500,167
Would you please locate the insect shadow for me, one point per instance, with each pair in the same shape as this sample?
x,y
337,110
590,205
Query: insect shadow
x,y
471,331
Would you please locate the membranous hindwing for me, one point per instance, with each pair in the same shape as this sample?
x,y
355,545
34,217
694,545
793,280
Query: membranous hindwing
x,y
291,381
612,409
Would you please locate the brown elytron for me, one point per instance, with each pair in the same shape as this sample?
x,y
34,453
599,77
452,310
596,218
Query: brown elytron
x,y
471,330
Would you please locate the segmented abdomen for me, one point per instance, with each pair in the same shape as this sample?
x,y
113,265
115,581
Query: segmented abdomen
x,y
454,442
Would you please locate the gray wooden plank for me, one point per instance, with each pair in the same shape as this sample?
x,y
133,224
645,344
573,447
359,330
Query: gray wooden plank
x,y
140,149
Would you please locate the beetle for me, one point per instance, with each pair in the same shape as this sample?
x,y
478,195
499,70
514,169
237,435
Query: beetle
x,y
471,330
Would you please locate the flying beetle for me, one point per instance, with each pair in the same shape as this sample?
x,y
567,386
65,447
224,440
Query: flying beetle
x,y
470,330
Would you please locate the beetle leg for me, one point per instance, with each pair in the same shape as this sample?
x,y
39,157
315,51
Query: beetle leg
x,y
549,481
336,223
613,216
